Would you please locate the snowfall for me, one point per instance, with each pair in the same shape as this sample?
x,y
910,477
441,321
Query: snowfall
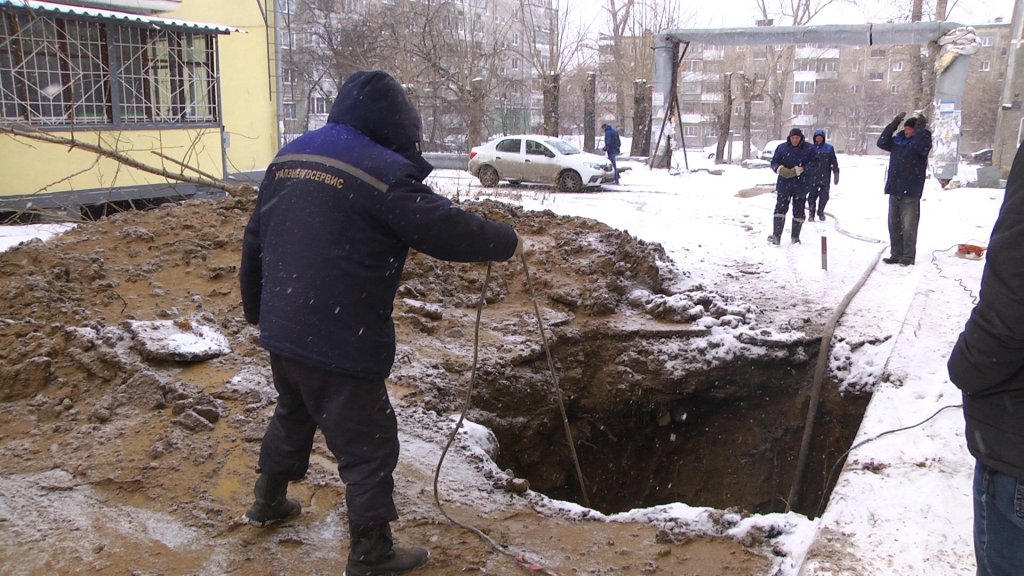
x,y
902,504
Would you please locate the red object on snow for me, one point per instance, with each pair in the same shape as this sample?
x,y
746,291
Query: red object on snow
x,y
970,250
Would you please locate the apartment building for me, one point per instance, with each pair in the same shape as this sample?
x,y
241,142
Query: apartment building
x,y
850,91
463,61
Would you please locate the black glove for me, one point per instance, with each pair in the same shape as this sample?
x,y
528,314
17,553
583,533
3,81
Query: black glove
x,y
897,119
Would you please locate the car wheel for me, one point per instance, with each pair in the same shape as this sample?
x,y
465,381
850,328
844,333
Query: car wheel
x,y
570,181
488,176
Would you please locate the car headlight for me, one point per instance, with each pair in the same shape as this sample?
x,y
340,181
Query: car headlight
x,y
594,166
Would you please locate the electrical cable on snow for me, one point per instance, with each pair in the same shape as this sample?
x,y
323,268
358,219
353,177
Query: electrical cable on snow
x,y
828,479
960,281
522,558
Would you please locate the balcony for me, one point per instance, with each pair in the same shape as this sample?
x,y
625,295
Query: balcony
x,y
132,6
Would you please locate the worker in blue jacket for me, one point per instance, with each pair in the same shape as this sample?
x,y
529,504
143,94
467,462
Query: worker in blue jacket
x,y
823,177
794,161
322,258
908,169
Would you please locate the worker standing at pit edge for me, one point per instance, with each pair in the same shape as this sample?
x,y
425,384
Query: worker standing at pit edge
x,y
322,259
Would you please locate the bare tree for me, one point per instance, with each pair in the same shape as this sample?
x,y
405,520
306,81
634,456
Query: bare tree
x,y
633,25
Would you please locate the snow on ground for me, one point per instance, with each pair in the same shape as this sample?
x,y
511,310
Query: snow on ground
x,y
902,504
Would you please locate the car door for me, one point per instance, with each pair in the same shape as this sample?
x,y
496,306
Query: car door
x,y
540,164
508,158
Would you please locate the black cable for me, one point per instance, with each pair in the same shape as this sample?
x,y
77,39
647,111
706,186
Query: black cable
x,y
828,480
960,281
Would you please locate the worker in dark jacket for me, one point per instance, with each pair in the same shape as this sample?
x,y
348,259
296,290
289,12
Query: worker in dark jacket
x,y
908,168
322,258
987,364
612,146
823,177
795,160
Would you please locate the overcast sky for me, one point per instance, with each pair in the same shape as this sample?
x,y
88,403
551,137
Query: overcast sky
x,y
719,13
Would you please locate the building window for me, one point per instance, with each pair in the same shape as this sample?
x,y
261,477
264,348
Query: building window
x,y
319,105
691,131
801,109
986,40
876,76
877,53
690,88
827,65
986,65
897,66
854,89
515,63
58,71
711,132
894,89
287,76
515,38
288,110
760,53
803,87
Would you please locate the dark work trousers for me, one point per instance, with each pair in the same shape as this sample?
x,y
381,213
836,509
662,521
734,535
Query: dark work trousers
x,y
904,215
357,421
782,206
998,522
615,166
817,197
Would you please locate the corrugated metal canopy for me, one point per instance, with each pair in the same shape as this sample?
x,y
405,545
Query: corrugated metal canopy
x,y
111,15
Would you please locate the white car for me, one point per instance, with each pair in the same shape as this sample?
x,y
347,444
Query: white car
x,y
537,158
769,149
737,150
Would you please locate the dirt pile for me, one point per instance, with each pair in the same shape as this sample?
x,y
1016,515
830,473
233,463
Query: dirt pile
x,y
120,460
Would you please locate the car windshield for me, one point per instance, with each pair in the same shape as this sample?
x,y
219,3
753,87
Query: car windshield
x,y
562,146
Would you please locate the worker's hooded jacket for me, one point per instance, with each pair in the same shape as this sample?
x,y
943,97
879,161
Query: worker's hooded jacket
x,y
987,362
337,211
908,160
803,154
827,162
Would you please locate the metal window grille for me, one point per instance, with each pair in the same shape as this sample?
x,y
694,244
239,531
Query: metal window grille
x,y
59,72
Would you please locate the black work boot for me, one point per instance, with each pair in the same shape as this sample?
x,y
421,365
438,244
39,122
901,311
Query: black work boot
x,y
810,212
271,505
777,225
796,231
373,553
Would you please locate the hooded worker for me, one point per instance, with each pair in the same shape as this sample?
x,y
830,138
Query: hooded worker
x,y
823,177
322,258
795,160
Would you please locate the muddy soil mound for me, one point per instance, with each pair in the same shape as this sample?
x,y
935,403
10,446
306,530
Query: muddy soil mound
x,y
119,459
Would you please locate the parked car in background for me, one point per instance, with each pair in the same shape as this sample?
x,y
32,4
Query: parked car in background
x,y
983,156
538,158
769,149
737,151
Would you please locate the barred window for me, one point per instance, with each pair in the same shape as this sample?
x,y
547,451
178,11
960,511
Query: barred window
x,y
58,72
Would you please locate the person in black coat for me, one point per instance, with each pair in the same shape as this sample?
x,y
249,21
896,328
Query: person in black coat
x,y
322,258
987,364
795,161
908,169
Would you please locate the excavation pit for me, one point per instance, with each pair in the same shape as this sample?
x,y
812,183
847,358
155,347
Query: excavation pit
x,y
647,433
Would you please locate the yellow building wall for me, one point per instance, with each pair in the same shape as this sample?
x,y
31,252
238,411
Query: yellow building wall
x,y
249,96
248,108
